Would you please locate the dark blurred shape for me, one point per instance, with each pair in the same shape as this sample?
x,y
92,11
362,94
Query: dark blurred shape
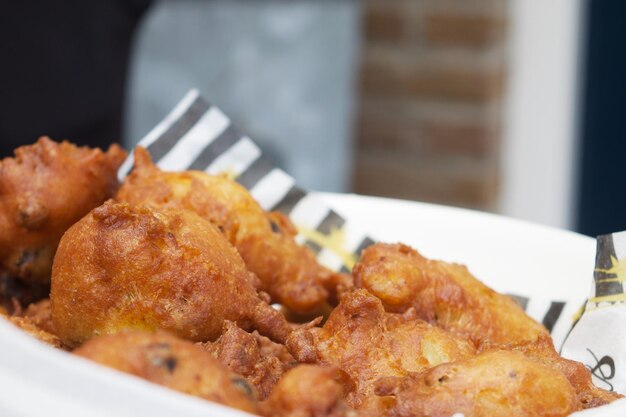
x,y
63,69
602,201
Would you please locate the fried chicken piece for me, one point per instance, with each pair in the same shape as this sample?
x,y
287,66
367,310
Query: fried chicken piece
x,y
543,351
262,363
289,273
308,391
174,363
367,343
492,384
44,189
444,294
146,269
29,326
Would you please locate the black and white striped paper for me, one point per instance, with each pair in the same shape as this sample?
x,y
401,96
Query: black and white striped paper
x,y
197,135
598,338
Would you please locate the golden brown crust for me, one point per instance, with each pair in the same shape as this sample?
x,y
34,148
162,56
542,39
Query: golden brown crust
x,y
367,344
289,273
44,189
492,384
447,295
146,269
543,351
308,391
177,364
258,359
30,327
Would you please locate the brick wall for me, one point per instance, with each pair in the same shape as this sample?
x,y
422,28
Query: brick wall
x,y
431,88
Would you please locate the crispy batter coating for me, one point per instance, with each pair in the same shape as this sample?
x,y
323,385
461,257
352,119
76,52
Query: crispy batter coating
x,y
259,360
492,384
31,327
169,361
308,391
134,267
44,189
543,351
444,294
289,273
40,313
366,343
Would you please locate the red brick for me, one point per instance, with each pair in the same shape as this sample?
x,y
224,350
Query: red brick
x,y
385,22
410,177
464,30
405,79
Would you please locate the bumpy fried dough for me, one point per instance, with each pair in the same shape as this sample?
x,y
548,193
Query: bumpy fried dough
x,y
177,364
444,294
261,361
133,267
308,391
366,343
45,189
289,273
492,384
543,351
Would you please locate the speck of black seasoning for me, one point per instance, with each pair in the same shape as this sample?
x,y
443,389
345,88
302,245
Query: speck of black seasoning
x,y
275,228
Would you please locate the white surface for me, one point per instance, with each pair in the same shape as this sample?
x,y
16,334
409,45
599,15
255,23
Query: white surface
x,y
539,143
36,380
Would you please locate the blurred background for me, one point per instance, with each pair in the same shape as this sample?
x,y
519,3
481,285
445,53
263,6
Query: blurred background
x,y
508,106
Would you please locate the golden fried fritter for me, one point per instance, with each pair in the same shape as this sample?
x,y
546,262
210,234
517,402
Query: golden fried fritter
x,y
543,351
289,273
15,293
444,294
45,189
40,313
261,363
133,267
308,391
492,384
366,343
177,364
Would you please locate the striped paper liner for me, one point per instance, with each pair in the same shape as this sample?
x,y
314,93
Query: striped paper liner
x,y
197,135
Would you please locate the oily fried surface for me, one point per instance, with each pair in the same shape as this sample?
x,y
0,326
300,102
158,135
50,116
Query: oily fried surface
x,y
367,344
492,384
177,364
45,189
444,294
258,359
308,391
289,273
133,267
588,395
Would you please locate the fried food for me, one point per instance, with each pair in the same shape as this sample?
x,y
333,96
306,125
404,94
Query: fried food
x,y
127,267
308,391
444,294
289,273
45,189
588,395
15,294
30,326
256,358
367,343
174,363
40,313
492,384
